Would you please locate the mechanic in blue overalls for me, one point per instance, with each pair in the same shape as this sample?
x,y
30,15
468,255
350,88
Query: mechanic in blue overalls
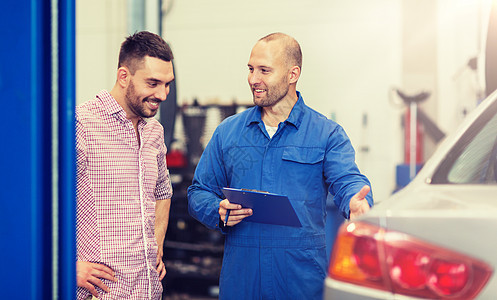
x,y
280,146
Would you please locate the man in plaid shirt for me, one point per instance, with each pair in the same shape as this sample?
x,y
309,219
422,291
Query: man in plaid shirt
x,y
123,187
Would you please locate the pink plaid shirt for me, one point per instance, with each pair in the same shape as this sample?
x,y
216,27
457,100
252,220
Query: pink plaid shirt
x,y
118,182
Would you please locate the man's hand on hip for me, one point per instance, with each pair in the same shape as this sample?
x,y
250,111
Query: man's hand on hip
x,y
88,276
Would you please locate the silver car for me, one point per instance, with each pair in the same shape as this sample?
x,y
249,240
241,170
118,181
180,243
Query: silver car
x,y
437,237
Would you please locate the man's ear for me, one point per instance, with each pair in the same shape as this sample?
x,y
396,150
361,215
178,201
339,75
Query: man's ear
x,y
123,76
294,74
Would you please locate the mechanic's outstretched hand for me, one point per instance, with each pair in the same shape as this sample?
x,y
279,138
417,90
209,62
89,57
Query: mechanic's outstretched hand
x,y
88,276
237,213
358,203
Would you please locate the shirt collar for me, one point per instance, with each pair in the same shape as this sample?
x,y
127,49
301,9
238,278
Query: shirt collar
x,y
297,113
113,108
295,117
110,104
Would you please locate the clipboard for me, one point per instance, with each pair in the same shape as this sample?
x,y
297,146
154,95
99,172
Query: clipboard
x,y
266,207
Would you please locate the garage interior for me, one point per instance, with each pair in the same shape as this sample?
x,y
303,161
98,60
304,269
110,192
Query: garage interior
x,y
366,65
398,75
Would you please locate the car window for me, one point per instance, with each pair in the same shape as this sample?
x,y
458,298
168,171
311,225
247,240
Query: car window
x,y
476,163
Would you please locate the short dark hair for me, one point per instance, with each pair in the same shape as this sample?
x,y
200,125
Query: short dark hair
x,y
141,44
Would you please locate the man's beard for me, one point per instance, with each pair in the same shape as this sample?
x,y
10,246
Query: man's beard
x,y
136,105
274,94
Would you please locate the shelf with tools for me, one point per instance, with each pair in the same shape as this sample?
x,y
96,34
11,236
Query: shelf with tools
x,y
192,252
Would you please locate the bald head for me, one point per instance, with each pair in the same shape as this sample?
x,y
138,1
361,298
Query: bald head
x,y
289,46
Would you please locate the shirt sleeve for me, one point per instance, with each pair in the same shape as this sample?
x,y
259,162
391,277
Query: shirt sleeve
x,y
83,189
341,172
86,221
164,188
210,177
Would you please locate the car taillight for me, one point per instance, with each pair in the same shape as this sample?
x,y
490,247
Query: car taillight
x,y
370,256
366,257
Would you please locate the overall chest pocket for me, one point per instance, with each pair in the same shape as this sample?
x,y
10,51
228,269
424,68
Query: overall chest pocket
x,y
302,164
302,170
307,156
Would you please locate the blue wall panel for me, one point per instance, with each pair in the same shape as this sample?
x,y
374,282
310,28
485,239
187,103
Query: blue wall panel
x,y
26,192
25,153
66,134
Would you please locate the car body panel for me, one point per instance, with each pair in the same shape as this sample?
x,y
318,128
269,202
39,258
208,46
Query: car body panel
x,y
470,227
458,217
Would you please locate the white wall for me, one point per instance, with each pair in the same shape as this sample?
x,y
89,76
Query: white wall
x,y
101,26
462,33
354,54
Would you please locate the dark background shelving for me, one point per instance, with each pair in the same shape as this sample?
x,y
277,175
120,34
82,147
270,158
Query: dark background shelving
x,y
192,252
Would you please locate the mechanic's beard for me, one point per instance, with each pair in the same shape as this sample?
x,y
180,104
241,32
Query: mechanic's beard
x,y
272,98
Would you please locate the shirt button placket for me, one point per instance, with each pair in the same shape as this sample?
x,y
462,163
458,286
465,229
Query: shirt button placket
x,y
265,232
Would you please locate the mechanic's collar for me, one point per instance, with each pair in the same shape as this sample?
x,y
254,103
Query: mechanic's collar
x,y
295,117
